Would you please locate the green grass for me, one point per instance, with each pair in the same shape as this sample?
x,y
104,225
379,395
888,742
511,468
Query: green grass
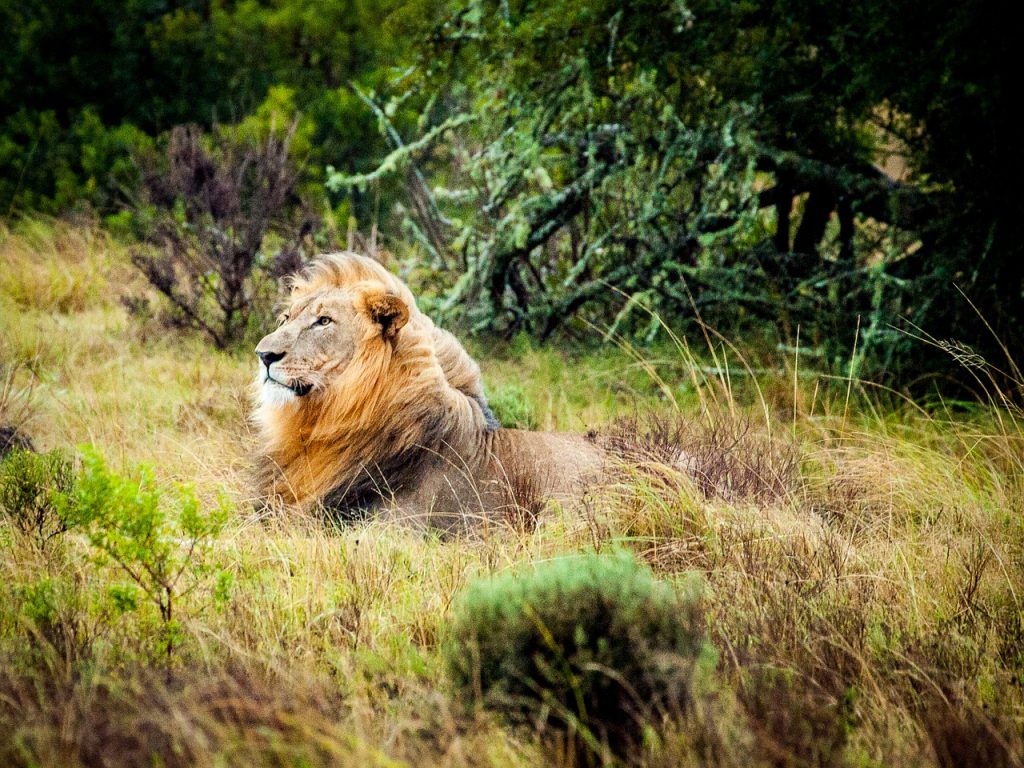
x,y
863,558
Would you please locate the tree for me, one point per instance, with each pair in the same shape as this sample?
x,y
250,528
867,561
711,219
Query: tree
x,y
797,102
84,83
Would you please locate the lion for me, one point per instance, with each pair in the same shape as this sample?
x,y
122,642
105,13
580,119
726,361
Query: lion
x,y
365,407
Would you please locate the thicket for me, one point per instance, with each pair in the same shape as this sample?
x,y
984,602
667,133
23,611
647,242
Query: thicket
x,y
825,174
158,540
219,218
839,176
31,490
87,85
591,647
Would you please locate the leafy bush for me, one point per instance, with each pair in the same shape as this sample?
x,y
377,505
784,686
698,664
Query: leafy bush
x,y
67,618
512,407
594,645
582,194
164,549
577,161
30,489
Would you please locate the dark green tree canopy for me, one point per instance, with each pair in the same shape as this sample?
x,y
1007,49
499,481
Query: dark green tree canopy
x,y
848,169
866,147
84,83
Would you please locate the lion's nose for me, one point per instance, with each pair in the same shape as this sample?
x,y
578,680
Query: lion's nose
x,y
269,358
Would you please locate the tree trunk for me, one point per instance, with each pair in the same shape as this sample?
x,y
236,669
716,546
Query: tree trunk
x,y
817,210
783,210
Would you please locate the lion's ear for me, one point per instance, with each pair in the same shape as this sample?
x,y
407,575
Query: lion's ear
x,y
388,311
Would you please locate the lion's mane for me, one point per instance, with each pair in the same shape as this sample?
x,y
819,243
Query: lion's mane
x,y
405,427
398,403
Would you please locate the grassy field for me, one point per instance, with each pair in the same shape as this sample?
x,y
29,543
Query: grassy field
x,y
862,558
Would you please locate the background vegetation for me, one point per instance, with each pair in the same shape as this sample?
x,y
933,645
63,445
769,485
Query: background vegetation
x,y
861,559
845,176
783,238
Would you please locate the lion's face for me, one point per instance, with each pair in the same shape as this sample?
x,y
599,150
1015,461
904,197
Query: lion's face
x,y
319,335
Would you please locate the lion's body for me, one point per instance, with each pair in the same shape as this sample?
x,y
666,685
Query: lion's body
x,y
509,474
382,411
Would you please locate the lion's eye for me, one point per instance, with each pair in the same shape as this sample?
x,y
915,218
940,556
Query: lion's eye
x,y
324,320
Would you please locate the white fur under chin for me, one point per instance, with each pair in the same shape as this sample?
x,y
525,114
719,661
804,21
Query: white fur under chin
x,y
275,396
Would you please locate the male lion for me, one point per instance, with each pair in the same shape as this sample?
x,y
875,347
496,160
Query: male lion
x,y
365,406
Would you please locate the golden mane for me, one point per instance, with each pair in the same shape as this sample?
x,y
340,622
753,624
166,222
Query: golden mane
x,y
338,270
393,403
365,405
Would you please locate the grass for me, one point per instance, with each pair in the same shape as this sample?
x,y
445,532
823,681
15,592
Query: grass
x,y
863,557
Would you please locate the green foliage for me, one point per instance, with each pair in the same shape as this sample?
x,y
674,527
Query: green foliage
x,y
845,170
74,73
52,609
39,601
591,192
109,159
723,158
512,407
31,485
594,643
163,543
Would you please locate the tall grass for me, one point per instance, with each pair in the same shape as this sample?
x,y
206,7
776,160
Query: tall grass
x,y
863,556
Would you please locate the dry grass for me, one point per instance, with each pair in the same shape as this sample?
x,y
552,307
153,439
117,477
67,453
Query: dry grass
x,y
864,565
79,279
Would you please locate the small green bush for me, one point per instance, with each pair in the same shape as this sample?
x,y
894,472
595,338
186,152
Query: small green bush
x,y
30,484
512,407
161,539
62,616
594,645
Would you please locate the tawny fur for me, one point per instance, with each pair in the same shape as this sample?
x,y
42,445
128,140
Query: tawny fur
x,y
402,426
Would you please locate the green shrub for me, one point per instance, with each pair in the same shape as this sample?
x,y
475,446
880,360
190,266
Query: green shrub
x,y
512,407
58,620
594,647
30,484
161,540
